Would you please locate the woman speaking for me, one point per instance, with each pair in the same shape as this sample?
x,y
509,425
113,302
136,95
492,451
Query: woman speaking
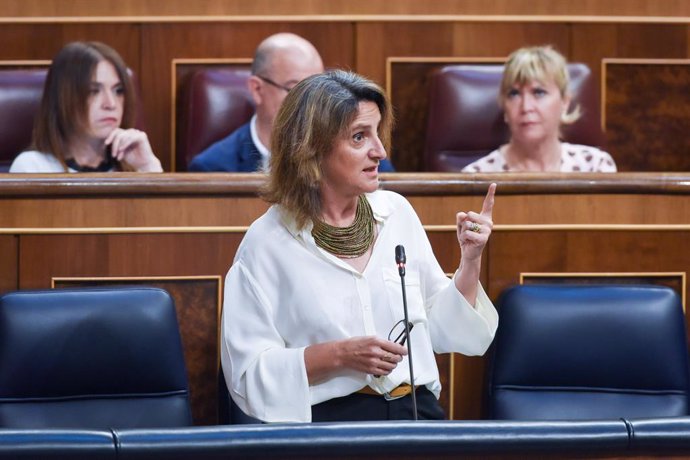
x,y
313,303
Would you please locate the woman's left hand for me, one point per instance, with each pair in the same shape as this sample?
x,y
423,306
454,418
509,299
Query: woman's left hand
x,y
132,147
474,229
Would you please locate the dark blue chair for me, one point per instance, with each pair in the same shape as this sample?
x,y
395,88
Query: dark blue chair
x,y
575,352
95,358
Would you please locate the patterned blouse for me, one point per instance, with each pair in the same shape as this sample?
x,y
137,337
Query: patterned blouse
x,y
574,158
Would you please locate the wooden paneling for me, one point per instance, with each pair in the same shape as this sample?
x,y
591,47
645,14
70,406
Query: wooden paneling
x,y
647,114
55,202
163,226
374,44
43,41
468,387
590,251
560,209
448,39
592,43
409,92
43,257
364,44
71,212
8,263
29,8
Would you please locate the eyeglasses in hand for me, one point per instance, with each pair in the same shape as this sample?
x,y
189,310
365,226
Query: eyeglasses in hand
x,y
398,331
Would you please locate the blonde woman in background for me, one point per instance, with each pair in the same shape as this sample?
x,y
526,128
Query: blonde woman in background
x,y
535,99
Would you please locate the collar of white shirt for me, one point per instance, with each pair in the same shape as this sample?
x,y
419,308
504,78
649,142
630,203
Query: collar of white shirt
x,y
263,150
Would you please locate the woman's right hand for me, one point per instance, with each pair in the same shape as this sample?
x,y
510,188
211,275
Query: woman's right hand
x,y
368,354
132,146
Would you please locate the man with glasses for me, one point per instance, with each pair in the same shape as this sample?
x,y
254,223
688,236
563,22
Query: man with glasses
x,y
280,62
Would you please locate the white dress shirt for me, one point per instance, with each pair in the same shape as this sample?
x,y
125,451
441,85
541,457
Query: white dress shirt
x,y
284,293
263,150
33,161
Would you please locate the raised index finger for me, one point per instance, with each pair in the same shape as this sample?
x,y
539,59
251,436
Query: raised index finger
x,y
488,205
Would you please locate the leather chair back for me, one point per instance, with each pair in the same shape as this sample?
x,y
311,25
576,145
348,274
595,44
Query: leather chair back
x,y
465,121
213,104
95,358
589,352
20,97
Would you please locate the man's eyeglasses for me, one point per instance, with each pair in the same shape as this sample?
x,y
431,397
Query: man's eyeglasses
x,y
272,83
399,332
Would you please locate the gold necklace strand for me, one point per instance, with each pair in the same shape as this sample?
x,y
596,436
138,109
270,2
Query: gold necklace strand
x,y
347,242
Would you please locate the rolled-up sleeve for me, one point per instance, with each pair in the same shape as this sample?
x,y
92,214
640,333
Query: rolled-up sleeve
x,y
457,326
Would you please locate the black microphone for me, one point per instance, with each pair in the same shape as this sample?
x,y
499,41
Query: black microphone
x,y
400,260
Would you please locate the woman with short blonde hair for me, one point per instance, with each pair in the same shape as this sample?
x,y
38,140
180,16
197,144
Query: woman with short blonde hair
x,y
535,98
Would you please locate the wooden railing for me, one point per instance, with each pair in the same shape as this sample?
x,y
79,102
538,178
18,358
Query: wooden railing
x,y
181,231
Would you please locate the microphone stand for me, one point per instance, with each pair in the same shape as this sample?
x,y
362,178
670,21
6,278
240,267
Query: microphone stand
x,y
400,260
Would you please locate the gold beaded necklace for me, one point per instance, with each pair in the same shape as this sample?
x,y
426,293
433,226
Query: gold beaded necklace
x,y
347,242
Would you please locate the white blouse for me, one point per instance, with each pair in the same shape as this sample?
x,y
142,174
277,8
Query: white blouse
x,y
284,293
574,158
33,161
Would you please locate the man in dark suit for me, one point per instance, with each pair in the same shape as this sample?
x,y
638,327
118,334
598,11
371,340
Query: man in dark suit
x,y
280,62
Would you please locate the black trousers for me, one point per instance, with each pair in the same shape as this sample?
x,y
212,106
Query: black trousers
x,y
359,407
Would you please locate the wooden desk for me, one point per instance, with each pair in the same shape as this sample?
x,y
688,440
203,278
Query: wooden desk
x,y
181,231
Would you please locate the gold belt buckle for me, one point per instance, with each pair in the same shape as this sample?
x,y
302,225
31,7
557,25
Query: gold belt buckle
x,y
401,391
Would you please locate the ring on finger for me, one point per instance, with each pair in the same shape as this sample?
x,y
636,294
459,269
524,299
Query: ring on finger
x,y
387,357
475,227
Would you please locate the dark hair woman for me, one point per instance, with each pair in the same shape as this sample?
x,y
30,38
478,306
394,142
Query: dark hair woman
x,y
86,117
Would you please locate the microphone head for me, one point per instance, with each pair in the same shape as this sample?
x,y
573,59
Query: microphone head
x,y
400,254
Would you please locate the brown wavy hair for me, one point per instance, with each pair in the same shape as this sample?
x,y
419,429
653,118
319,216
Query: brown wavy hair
x,y
315,113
